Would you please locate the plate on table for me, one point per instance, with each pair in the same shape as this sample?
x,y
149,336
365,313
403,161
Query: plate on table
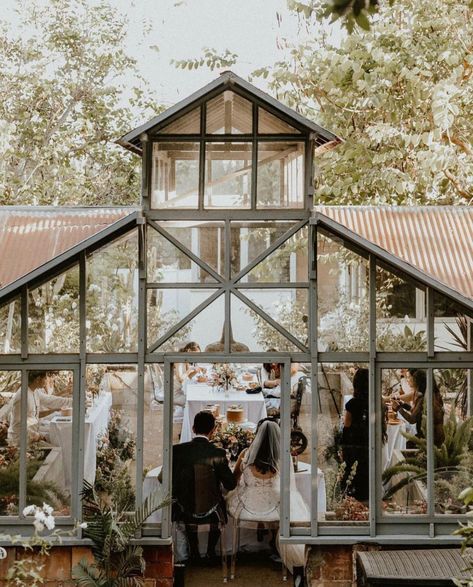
x,y
302,467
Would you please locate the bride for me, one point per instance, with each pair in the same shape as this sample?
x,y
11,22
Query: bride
x,y
257,495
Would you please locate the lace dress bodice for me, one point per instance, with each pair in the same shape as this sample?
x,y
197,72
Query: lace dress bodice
x,y
255,498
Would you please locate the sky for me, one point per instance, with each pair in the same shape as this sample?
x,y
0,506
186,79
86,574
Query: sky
x,y
164,30
182,28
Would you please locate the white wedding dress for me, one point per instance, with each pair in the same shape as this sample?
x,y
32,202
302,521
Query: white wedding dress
x,y
257,500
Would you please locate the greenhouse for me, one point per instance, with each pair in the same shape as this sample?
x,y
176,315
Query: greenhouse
x,y
230,267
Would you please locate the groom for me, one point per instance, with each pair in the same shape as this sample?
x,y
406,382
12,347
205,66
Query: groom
x,y
199,469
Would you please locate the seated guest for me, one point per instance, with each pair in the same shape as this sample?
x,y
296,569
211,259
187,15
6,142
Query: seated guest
x,y
183,372
355,439
272,384
199,470
418,380
39,400
257,495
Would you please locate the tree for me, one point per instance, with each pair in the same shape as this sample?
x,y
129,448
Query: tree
x,y
63,106
400,95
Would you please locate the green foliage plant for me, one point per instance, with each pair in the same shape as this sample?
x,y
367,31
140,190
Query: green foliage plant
x,y
111,528
452,463
466,532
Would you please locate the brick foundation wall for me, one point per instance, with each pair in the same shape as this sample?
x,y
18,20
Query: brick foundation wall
x,y
334,565
58,565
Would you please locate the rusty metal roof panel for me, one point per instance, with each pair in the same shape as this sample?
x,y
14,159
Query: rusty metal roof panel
x,y
30,237
435,239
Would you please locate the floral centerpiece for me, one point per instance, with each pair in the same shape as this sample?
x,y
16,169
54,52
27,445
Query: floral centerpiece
x,y
223,376
233,438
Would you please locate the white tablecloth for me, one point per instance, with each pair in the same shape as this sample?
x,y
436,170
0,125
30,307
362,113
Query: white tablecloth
x,y
199,396
95,424
248,539
395,441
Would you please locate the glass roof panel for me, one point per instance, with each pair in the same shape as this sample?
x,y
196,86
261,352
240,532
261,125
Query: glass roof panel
x,y
270,124
188,124
229,113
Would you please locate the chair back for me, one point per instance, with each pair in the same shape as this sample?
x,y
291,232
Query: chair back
x,y
207,496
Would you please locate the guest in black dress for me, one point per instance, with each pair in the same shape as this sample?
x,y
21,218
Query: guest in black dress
x,y
356,438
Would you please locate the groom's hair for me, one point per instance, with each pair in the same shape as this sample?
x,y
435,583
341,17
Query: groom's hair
x,y
204,422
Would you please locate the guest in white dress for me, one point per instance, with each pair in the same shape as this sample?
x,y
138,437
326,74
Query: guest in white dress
x,y
257,495
183,372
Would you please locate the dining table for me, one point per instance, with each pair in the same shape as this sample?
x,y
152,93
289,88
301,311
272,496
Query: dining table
x,y
95,425
199,396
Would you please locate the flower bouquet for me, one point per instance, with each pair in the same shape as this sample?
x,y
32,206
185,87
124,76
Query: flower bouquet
x,y
223,376
233,439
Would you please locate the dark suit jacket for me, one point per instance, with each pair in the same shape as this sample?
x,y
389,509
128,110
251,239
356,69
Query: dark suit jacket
x,y
199,469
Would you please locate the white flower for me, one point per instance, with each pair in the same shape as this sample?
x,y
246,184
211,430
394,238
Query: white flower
x,y
39,526
49,522
40,516
83,525
47,509
29,510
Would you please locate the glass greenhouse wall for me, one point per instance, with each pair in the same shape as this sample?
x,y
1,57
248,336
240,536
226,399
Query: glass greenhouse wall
x,y
228,254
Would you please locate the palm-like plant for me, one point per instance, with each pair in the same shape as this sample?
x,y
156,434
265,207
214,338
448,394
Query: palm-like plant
x,y
111,528
450,458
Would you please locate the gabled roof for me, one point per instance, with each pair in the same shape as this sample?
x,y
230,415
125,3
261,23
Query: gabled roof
x,y
227,80
433,240
37,240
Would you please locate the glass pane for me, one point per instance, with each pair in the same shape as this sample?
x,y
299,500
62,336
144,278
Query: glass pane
x,y
206,330
342,447
10,390
175,175
250,239
288,307
251,332
112,297
452,331
49,439
280,175
301,440
10,327
404,456
400,314
287,264
153,432
167,264
229,113
166,307
342,297
53,315
453,461
204,239
228,175
270,124
110,430
188,124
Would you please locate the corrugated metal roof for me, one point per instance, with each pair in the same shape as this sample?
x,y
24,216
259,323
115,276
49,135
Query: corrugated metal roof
x,y
435,239
30,237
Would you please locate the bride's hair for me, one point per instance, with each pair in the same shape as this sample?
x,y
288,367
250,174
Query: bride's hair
x,y
264,452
